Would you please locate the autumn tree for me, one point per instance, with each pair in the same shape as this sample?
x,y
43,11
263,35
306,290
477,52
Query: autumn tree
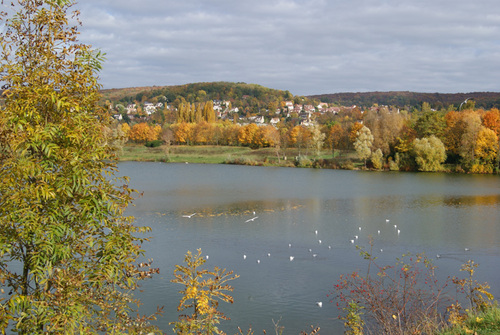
x,y
264,137
208,112
183,132
230,132
363,144
486,152
353,133
455,128
429,153
491,120
337,138
142,132
246,134
317,139
467,149
385,126
67,252
201,293
377,159
167,136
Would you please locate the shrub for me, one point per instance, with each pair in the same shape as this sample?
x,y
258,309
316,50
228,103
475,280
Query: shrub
x,y
303,161
154,144
377,159
203,289
347,165
404,298
408,299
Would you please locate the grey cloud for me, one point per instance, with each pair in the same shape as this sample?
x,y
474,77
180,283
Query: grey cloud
x,y
305,46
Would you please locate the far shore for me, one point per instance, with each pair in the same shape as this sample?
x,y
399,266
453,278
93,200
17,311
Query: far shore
x,y
211,154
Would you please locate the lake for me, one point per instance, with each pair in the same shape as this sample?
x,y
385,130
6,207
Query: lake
x,y
436,213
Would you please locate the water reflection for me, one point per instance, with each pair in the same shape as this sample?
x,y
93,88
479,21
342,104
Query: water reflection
x,y
435,213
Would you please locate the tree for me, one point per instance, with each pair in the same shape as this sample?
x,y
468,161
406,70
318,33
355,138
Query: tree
x,y
183,132
385,127
491,120
317,139
246,134
377,159
142,132
67,252
202,291
363,144
430,123
429,153
336,137
208,112
467,148
486,151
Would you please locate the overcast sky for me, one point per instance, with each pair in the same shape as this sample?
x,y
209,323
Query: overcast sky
x,y
304,46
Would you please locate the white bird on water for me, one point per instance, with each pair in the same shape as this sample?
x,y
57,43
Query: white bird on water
x,y
189,216
258,261
244,256
252,219
387,220
316,232
291,258
320,304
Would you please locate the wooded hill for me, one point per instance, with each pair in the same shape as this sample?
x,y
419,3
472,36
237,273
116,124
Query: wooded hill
x,y
250,97
253,97
411,100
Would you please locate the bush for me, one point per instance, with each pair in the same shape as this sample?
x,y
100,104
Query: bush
x,y
347,165
377,159
154,144
408,299
303,161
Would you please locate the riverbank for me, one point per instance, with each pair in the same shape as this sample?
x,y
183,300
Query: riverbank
x,y
211,154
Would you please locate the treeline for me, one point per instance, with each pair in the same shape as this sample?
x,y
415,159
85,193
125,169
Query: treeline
x,y
428,140
411,100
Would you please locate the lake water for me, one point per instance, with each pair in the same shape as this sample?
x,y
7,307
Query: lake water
x,y
435,213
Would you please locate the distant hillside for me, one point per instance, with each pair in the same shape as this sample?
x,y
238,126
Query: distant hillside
x,y
253,97
234,92
409,100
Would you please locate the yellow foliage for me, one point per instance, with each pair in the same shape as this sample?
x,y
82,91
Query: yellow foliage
x,y
142,132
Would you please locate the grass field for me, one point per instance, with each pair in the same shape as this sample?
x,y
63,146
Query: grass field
x,y
218,155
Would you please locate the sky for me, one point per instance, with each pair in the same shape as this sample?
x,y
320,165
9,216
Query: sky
x,y
304,46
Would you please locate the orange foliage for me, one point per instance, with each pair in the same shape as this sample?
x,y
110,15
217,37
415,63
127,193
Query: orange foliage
x,y
353,135
142,132
247,133
183,132
491,120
